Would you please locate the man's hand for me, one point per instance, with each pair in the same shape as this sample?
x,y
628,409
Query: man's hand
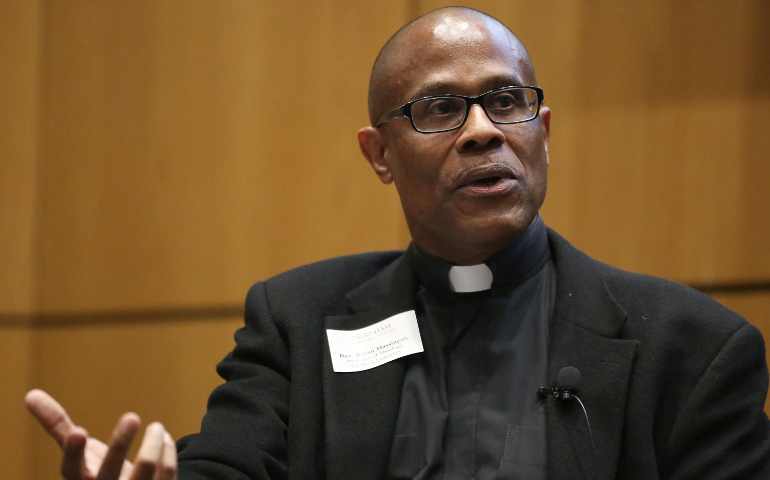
x,y
85,458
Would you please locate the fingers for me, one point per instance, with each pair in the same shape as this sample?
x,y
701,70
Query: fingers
x,y
167,470
73,461
157,455
120,441
50,414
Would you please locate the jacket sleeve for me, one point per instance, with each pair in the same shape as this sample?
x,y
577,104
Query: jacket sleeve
x,y
244,432
722,431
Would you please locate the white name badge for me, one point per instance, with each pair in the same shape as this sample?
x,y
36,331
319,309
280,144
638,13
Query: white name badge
x,y
375,345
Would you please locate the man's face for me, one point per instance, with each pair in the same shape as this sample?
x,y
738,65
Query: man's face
x,y
468,192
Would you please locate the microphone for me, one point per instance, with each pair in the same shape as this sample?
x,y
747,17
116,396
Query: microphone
x,y
567,384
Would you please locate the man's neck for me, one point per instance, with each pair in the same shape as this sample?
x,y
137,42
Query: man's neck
x,y
467,252
511,265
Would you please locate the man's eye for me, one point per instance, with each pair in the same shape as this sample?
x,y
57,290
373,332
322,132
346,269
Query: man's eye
x,y
440,107
505,101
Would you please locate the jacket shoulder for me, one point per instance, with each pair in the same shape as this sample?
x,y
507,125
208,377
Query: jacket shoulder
x,y
351,269
645,296
327,281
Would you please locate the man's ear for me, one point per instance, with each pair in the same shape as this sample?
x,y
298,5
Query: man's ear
x,y
545,116
373,147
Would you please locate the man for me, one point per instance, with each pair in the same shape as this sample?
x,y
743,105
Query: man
x,y
672,383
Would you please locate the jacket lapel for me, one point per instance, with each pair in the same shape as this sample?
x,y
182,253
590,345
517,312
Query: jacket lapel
x,y
361,407
584,334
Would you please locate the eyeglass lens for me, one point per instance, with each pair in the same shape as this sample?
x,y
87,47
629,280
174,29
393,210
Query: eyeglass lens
x,y
505,106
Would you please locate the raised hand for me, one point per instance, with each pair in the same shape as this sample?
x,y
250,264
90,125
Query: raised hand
x,y
86,458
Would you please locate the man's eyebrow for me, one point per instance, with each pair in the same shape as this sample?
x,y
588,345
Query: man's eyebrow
x,y
490,83
436,89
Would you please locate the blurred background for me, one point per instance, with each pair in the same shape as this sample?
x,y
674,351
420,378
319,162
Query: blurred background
x,y
154,164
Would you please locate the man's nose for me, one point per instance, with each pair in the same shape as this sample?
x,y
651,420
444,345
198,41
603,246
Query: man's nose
x,y
479,131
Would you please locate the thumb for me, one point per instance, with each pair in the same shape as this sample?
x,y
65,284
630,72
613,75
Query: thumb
x,y
50,414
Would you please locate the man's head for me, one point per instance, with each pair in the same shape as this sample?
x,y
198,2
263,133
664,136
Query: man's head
x,y
468,192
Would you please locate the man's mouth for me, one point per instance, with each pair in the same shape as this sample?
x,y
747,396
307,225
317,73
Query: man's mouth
x,y
488,180
489,186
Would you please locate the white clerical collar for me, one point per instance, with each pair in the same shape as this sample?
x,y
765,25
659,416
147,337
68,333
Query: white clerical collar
x,y
473,278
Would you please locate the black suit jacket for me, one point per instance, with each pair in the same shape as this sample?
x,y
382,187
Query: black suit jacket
x,y
673,383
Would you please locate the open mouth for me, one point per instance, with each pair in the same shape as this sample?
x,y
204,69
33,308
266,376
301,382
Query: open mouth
x,y
489,179
493,185
486,182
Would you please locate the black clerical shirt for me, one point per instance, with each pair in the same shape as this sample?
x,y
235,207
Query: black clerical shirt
x,y
469,407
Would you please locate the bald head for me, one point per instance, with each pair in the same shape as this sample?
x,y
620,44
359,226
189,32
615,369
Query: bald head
x,y
448,27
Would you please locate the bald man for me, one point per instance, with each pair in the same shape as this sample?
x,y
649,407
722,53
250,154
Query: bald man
x,y
429,363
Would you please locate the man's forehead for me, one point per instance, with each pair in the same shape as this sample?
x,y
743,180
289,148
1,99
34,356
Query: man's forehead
x,y
467,29
454,55
433,37
454,30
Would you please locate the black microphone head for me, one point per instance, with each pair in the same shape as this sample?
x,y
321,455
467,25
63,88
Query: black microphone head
x,y
569,378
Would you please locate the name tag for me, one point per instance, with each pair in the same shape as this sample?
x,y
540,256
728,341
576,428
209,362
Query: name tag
x,y
375,345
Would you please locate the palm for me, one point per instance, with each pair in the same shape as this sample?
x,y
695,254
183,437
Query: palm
x,y
95,452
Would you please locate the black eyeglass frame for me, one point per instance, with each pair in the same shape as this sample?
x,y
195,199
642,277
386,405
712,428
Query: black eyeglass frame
x,y
405,110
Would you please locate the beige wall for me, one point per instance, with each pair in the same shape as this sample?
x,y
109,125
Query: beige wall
x,y
153,167
19,100
175,169
20,45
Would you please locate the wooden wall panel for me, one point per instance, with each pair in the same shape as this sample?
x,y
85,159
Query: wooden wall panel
x,y
19,62
20,36
191,148
755,307
162,370
165,155
657,156
17,425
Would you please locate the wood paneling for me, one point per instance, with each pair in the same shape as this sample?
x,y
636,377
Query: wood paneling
x,y
19,62
17,425
165,155
162,370
755,307
191,148
658,160
20,38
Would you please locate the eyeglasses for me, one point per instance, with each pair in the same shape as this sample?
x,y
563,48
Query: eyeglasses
x,y
442,113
